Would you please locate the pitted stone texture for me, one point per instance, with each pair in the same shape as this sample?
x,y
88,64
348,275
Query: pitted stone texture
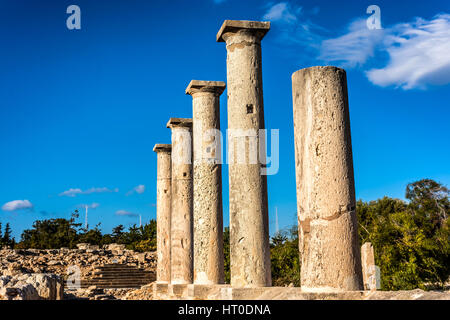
x,y
182,202
326,204
249,232
208,216
163,210
370,272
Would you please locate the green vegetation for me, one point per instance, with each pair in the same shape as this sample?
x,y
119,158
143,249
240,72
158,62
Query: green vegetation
x,y
411,239
6,240
58,233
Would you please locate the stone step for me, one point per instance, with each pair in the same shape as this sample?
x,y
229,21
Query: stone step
x,y
115,282
120,271
119,276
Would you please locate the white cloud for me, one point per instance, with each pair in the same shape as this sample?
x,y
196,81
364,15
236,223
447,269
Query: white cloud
x,y
17,205
293,28
90,206
418,52
353,48
126,213
419,55
72,192
138,189
281,12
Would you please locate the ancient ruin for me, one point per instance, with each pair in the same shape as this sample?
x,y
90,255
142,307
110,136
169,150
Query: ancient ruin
x,y
163,210
249,228
370,272
208,217
181,230
329,248
326,205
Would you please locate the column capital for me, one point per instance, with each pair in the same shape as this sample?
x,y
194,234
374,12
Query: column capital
x,y
162,147
235,25
216,87
179,122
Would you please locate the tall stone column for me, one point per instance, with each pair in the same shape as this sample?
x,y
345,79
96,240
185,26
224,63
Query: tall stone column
x,y
163,208
182,218
328,237
208,216
249,230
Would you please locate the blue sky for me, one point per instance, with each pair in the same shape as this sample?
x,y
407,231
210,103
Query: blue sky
x,y
80,110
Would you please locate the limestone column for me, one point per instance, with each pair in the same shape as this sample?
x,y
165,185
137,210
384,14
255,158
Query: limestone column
x,y
163,208
370,272
249,231
208,216
181,223
328,237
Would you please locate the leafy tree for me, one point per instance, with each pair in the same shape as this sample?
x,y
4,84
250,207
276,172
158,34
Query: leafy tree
x,y
284,256
117,233
93,236
226,253
51,234
6,240
411,240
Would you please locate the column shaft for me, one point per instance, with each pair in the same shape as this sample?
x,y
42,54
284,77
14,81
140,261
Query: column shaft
x,y
208,216
329,248
249,231
163,211
182,217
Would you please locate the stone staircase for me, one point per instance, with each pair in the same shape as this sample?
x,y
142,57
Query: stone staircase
x,y
117,276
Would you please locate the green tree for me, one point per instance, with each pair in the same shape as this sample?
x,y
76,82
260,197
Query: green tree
x,y
284,256
226,253
51,234
117,233
7,239
411,240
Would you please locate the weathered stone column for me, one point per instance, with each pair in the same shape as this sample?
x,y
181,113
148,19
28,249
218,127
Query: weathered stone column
x,y
370,272
208,216
326,204
249,230
163,208
181,224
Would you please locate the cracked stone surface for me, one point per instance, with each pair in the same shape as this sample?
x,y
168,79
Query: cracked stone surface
x,y
328,245
208,216
182,201
163,210
249,232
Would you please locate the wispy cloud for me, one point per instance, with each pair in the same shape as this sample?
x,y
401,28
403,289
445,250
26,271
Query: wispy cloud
x,y
293,26
138,189
405,55
353,48
126,213
419,55
418,52
72,192
282,12
90,206
17,205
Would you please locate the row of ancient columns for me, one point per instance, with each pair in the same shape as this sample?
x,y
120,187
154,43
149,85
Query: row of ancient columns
x,y
189,187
